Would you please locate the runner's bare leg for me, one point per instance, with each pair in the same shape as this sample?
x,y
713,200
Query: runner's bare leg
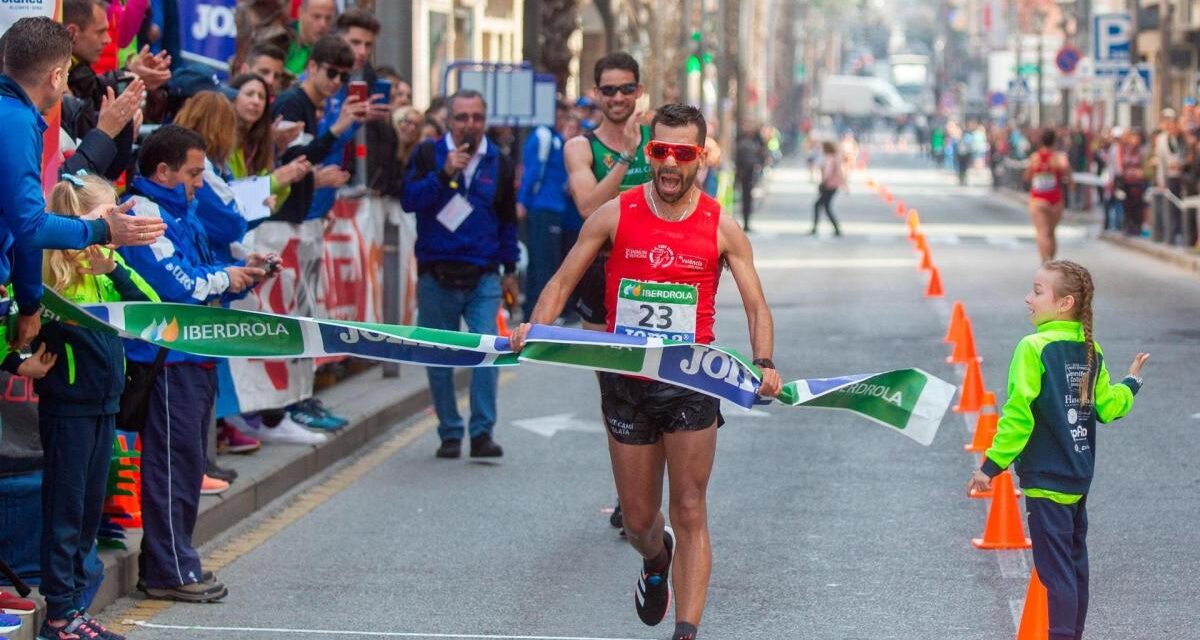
x,y
690,457
638,471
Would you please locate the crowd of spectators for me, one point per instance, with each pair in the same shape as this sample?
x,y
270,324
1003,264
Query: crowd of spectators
x,y
173,144
1140,176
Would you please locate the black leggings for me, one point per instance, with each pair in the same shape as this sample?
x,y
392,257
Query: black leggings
x,y
825,199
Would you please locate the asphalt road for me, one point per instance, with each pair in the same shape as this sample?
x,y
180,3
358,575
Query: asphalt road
x,y
824,526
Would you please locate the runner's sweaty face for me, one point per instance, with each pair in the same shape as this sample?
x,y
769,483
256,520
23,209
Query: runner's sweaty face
x,y
617,108
673,179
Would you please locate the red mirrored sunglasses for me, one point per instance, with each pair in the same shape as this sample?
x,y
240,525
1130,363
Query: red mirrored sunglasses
x,y
682,152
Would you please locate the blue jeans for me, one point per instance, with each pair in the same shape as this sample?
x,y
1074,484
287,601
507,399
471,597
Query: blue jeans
x,y
545,254
439,308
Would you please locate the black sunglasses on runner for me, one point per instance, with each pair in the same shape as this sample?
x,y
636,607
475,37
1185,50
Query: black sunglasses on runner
x,y
610,90
334,73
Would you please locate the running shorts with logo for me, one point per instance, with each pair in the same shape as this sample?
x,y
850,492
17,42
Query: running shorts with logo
x,y
661,281
589,293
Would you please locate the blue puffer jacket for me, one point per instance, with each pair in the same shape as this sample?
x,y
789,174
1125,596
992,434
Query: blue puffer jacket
x,y
181,265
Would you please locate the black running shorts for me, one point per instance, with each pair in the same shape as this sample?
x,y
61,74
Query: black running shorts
x,y
589,293
640,411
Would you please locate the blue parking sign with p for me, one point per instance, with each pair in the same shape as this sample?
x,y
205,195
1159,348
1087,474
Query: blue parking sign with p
x,y
1111,33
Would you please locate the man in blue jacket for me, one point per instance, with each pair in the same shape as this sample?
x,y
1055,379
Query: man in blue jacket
x,y
37,54
182,268
461,189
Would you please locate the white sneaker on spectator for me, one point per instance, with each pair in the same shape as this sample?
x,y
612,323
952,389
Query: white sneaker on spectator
x,y
288,431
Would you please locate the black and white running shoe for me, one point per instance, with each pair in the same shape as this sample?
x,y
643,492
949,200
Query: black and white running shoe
x,y
652,597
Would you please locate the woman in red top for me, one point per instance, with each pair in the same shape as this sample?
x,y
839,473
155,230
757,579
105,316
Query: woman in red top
x,y
1048,175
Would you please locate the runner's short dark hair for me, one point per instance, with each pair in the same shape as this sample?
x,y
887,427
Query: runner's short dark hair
x,y
681,115
33,46
358,17
78,12
265,49
618,60
168,144
1048,137
333,51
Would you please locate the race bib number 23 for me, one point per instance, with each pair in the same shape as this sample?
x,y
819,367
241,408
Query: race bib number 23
x,y
656,310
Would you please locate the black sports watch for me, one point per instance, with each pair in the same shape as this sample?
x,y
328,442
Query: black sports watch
x,y
764,363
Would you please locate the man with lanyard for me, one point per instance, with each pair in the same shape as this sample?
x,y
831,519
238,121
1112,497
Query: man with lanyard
x,y
668,236
602,163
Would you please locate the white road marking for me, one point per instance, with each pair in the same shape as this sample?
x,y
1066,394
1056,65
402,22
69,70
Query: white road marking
x,y
378,634
547,426
834,263
1196,416
1015,607
930,229
1012,564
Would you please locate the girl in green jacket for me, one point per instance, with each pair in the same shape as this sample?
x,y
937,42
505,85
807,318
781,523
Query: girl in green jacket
x,y
1058,388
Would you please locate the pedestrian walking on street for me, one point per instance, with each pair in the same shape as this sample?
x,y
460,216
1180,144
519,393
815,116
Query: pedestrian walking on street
x,y
832,179
1049,176
749,160
655,427
1132,171
1059,388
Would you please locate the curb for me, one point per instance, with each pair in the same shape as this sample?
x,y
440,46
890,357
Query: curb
x,y
1179,256
275,470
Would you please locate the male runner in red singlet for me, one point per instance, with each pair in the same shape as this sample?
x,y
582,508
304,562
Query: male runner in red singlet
x,y
1049,174
669,245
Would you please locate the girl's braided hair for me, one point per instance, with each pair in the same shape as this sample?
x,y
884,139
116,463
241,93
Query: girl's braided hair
x,y
1075,280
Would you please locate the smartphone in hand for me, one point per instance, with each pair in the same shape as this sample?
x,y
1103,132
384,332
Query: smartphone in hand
x,y
358,88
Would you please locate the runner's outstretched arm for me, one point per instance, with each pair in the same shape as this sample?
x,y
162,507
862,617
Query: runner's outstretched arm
x,y
736,249
596,230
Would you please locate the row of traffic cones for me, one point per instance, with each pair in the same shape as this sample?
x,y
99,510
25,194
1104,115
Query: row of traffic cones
x,y
1004,528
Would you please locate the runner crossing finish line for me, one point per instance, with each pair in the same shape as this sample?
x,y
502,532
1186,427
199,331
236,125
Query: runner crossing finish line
x,y
909,401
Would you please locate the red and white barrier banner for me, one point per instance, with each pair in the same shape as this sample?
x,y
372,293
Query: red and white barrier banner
x,y
331,268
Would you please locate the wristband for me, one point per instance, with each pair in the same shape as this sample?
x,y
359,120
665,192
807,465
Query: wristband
x,y
625,159
764,363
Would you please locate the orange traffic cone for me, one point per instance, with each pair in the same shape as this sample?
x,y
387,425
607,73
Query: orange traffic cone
x,y
934,290
1035,616
888,197
964,344
919,242
985,425
1004,529
970,399
914,224
926,259
956,319
502,322
901,210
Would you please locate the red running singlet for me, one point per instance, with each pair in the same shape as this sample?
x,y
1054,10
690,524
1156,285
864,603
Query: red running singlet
x,y
1046,182
661,278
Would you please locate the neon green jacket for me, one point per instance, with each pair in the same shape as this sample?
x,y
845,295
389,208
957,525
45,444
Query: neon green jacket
x,y
1043,428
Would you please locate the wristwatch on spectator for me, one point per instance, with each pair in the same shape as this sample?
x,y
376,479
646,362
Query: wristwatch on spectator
x,y
764,363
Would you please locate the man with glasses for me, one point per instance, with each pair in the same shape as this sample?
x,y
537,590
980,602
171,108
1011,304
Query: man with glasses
x,y
460,187
600,164
667,236
328,69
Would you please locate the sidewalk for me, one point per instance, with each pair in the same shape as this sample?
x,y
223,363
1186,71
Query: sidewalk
x,y
1183,257
373,405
